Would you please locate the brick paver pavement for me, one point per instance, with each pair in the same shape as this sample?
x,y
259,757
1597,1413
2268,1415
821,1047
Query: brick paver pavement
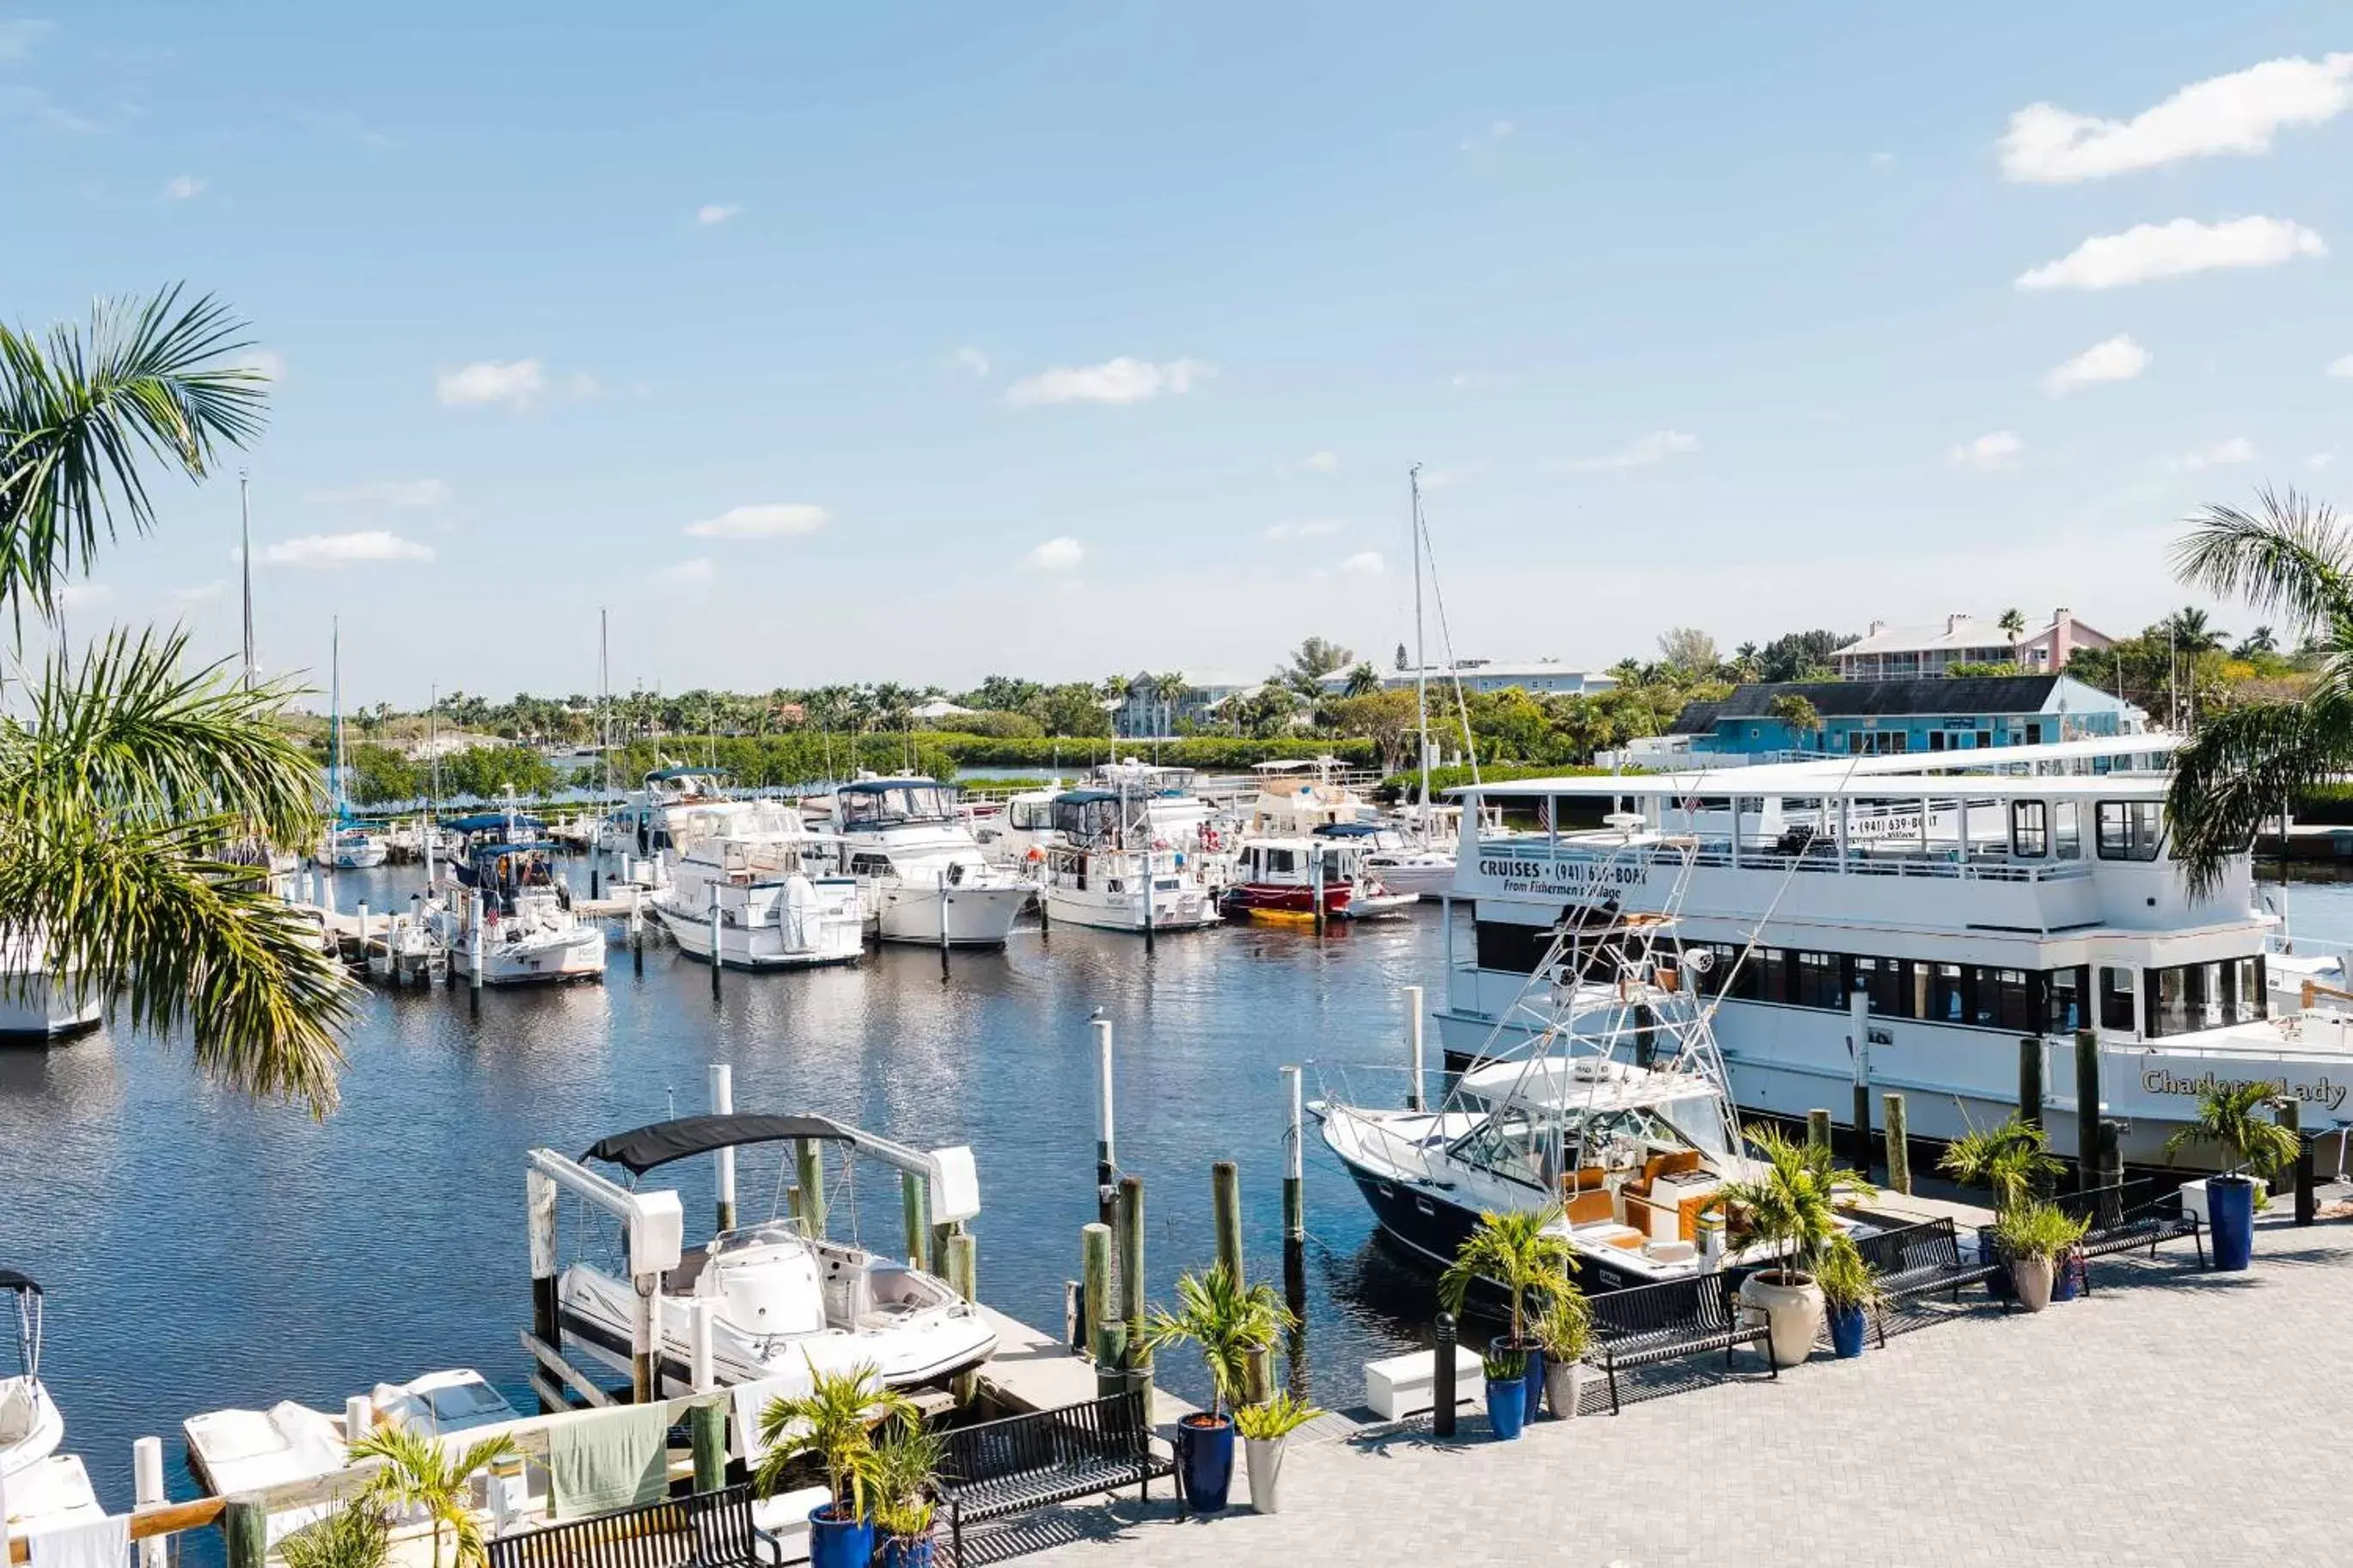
x,y
2174,1417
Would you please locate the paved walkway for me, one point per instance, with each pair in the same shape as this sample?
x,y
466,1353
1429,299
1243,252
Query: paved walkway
x,y
2175,1417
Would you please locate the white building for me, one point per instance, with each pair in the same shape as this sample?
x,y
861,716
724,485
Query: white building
x,y
1543,678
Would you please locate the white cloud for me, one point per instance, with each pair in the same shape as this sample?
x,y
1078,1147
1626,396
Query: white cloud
x,y
385,493
716,213
1443,478
774,520
517,383
695,573
267,363
198,593
1997,450
1121,379
1465,380
1364,564
2343,367
972,359
2221,454
1321,462
1651,450
85,595
1883,160
183,187
1311,528
2151,250
2319,461
328,550
2115,359
1062,554
18,36
2235,113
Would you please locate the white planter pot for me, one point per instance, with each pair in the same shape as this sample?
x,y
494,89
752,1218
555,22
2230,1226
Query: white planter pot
x,y
1792,1312
2193,1199
1263,1458
2031,1277
1564,1386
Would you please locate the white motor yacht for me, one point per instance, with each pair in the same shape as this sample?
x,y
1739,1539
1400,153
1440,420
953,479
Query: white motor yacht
x,y
30,1426
350,848
922,876
783,1295
37,1003
1109,867
505,908
642,826
747,867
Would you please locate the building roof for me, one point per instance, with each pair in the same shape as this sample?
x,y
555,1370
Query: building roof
x,y
1696,719
1888,699
1952,632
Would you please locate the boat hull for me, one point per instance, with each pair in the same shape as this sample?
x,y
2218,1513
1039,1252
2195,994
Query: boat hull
x,y
840,939
43,1009
1425,1223
1289,902
976,917
580,956
1191,910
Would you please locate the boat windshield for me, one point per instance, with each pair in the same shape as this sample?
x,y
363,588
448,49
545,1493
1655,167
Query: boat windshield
x,y
896,804
1536,1149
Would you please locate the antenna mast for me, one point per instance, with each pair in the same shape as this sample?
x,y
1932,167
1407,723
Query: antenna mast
x,y
244,566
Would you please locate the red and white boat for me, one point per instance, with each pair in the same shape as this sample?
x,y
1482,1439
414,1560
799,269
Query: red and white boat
x,y
1287,878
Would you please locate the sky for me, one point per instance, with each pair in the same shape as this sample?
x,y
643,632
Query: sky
x,y
919,342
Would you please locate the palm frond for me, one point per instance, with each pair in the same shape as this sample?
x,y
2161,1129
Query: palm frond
x,y
80,414
2288,554
2244,764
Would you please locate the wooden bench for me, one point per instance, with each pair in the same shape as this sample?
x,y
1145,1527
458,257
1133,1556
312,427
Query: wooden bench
x,y
997,1468
1665,1321
709,1530
1922,1260
2127,1215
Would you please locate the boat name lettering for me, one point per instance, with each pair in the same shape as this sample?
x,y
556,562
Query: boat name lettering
x,y
2321,1091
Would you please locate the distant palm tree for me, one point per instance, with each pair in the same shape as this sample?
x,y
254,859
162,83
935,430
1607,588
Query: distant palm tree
x,y
2259,641
1170,687
128,786
2012,624
2248,761
2190,632
1363,681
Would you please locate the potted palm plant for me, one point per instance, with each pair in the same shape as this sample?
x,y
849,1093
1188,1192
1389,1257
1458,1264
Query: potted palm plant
x,y
836,1420
1850,1290
905,1468
2034,1235
353,1536
1789,1207
1229,1322
1565,1330
420,1472
1266,1429
2014,1161
2252,1146
1519,1253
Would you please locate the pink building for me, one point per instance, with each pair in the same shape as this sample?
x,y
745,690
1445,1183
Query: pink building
x,y
1903,653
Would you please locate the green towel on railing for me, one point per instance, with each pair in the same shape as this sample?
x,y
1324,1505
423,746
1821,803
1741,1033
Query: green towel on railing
x,y
608,1461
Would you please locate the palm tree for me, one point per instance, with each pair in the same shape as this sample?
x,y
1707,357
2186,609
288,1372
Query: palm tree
x,y
2227,1119
1230,1321
422,1472
2191,633
126,785
836,1420
2259,641
1793,1200
2249,759
1363,681
1170,687
2012,1160
2012,624
1518,1250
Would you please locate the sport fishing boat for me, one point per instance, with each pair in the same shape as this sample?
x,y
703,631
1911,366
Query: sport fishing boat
x,y
783,1295
1287,879
1108,867
743,888
506,909
31,1427
920,871
1934,909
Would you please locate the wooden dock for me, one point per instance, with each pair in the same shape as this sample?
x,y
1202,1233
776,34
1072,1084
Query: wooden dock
x,y
1034,1371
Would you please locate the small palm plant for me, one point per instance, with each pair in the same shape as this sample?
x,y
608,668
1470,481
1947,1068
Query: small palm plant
x,y
1520,1252
1847,1279
905,1466
1791,1204
2012,1159
836,1420
353,1536
1274,1418
1228,1322
2252,1144
424,1472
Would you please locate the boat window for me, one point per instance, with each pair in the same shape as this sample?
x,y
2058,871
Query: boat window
x,y
2130,830
2005,999
1030,815
2068,838
1278,859
1772,965
1883,980
2255,994
2066,1012
869,865
1506,1145
2116,999
1513,948
1945,1004
1814,979
2029,832
2188,996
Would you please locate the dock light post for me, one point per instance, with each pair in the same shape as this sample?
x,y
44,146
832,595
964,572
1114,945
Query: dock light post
x,y
1441,1380
1106,1151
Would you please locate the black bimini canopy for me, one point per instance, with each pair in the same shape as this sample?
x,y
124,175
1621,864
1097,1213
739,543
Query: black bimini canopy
x,y
12,1281
645,1148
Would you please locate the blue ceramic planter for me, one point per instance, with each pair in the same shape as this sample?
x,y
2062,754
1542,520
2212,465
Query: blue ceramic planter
x,y
1847,1325
1204,1461
1534,1383
2067,1276
840,1542
2230,1215
1507,1406
907,1554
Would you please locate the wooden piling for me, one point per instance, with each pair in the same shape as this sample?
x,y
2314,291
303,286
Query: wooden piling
x,y
943,924
912,1204
2111,1173
808,1169
1899,1143
1130,1231
963,1255
539,1204
1095,1304
2087,1108
1226,1202
2030,1080
1294,1197
716,965
708,1423
1818,1128
245,1531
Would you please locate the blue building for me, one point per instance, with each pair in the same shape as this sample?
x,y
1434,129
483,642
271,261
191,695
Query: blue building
x,y
1936,713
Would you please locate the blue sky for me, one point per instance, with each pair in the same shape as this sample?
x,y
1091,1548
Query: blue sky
x,y
919,342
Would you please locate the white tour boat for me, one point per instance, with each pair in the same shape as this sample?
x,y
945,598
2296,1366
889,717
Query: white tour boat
x,y
921,874
744,870
30,1426
1109,867
782,1294
1944,907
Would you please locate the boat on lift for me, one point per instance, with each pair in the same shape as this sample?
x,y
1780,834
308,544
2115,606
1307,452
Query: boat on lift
x,y
30,1424
921,872
755,868
784,1296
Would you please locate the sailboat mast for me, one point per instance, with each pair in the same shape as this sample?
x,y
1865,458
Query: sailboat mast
x,y
604,697
245,564
1420,661
335,708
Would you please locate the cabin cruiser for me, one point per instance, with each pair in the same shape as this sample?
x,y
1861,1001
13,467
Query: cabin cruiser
x,y
1110,869
922,876
1287,879
38,1005
783,1295
1897,922
642,825
350,848
1296,796
31,1427
506,910
751,873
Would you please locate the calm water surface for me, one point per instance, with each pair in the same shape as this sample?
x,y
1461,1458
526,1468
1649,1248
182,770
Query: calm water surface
x,y
200,1251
